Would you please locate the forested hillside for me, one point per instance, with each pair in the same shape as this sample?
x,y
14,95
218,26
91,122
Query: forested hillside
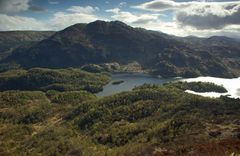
x,y
150,120
160,54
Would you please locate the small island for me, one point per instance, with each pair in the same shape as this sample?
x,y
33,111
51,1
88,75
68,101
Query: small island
x,y
117,82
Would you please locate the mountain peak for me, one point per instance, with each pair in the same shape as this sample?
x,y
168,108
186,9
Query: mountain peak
x,y
97,22
78,26
119,23
105,26
104,41
98,26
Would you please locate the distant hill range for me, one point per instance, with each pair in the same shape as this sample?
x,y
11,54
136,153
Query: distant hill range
x,y
102,42
10,40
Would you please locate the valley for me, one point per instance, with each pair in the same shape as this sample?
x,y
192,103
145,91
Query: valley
x,y
106,88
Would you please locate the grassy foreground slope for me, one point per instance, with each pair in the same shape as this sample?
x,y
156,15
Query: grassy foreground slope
x,y
152,117
31,124
150,120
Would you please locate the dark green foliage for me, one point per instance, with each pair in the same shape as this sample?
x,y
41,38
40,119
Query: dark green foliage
x,y
30,124
33,117
23,107
164,114
52,79
78,123
117,82
58,140
93,68
16,98
71,97
119,134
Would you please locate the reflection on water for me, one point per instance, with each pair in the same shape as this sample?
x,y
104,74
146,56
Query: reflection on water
x,y
232,86
132,80
207,94
238,92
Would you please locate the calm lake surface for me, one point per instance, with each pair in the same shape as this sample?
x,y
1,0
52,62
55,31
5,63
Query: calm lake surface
x,y
132,80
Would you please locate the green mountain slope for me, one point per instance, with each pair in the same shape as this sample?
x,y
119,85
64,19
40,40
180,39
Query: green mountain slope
x,y
161,54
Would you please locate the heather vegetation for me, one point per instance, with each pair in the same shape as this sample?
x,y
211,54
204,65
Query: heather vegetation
x,y
48,104
150,120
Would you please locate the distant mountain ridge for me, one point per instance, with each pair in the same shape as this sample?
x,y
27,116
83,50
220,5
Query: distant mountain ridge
x,y
9,40
158,53
23,36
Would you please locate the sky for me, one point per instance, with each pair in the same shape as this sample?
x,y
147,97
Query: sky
x,y
176,17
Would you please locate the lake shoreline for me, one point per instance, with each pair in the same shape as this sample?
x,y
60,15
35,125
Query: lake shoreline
x,y
134,79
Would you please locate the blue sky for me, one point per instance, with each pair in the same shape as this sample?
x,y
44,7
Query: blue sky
x,y
176,17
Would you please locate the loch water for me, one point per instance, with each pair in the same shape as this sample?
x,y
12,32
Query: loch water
x,y
131,80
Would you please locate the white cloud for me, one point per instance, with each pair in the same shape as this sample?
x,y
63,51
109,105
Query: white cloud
x,y
83,10
210,16
114,10
153,21
145,20
198,14
157,5
20,23
60,20
148,20
73,15
231,31
162,5
131,18
7,6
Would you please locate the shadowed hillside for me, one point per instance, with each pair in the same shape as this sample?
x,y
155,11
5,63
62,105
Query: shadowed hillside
x,y
10,40
158,53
